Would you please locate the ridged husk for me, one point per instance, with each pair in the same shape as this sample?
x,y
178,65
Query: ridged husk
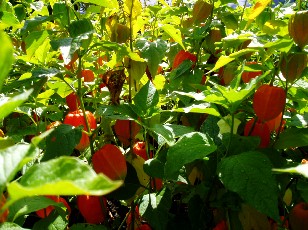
x,y
298,28
293,65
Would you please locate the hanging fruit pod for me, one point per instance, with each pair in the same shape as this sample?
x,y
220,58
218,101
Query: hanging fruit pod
x,y
293,65
259,129
268,102
298,29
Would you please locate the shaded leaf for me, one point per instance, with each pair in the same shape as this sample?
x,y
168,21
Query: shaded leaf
x,y
147,98
155,208
249,175
292,137
62,141
189,147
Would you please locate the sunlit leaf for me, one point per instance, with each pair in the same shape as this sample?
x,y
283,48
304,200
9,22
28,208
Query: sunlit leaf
x,y
174,33
8,105
61,176
6,57
112,4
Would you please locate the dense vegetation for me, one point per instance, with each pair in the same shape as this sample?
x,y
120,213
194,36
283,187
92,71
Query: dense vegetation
x,y
130,115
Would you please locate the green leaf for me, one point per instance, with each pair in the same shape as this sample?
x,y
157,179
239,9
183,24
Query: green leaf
x,y
80,27
62,176
155,208
6,57
174,33
154,52
169,132
61,142
234,97
61,12
199,108
147,98
11,226
292,137
111,4
30,204
121,112
34,22
240,144
222,61
299,120
34,40
8,105
11,161
154,168
283,45
133,8
189,147
8,19
249,174
137,69
53,221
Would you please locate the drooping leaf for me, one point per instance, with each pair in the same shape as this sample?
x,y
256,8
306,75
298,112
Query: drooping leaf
x,y
61,176
257,9
174,33
6,57
189,147
249,175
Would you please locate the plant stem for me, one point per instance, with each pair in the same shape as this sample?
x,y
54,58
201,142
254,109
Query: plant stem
x,y
231,133
79,95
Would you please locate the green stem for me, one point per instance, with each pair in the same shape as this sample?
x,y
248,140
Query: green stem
x,y
244,8
79,95
231,133
130,78
281,121
299,5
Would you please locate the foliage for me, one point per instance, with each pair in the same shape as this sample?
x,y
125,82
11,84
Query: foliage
x,y
175,77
